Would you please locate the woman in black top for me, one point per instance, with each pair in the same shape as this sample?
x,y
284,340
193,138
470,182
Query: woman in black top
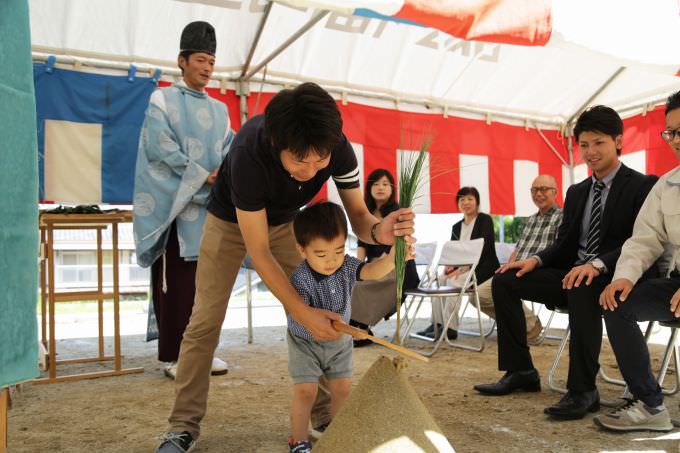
x,y
372,301
474,225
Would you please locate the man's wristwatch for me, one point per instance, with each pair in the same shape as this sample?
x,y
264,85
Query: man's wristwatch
x,y
598,264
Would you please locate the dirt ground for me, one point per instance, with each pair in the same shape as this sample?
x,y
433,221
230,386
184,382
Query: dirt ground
x,y
248,408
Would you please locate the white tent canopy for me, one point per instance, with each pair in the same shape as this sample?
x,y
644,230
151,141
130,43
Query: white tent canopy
x,y
617,53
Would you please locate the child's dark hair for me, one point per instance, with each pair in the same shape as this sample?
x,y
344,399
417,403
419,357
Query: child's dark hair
x,y
303,119
673,102
321,220
469,190
600,119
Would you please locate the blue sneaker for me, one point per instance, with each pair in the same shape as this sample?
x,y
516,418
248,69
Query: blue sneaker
x,y
303,446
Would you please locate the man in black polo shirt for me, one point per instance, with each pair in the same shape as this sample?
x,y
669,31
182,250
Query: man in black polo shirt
x,y
276,164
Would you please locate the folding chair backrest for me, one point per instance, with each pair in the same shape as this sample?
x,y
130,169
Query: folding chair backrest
x,y
425,256
461,253
504,251
425,253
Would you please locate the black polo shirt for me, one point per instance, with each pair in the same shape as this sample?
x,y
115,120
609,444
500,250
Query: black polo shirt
x,y
252,178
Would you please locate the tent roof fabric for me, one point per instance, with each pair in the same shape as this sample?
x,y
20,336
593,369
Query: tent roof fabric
x,y
362,53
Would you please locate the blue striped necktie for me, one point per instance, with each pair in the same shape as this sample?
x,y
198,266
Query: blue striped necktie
x,y
593,244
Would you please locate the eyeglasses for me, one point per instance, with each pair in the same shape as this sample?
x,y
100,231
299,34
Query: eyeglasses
x,y
542,189
670,134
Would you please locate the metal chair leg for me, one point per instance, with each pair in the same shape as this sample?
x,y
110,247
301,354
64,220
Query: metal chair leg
x,y
408,319
249,309
556,361
407,335
438,338
670,350
487,334
676,360
544,333
611,380
648,333
480,332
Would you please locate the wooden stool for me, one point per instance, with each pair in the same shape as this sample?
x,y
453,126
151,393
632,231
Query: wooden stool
x,y
49,295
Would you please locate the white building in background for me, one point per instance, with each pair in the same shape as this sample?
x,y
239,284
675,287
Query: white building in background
x,y
76,260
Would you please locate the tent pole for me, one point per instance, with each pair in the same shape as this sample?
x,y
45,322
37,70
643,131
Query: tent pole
x,y
294,37
570,146
550,145
243,108
256,40
570,121
595,95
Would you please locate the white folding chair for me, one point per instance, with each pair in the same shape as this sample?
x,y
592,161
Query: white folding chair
x,y
454,253
425,256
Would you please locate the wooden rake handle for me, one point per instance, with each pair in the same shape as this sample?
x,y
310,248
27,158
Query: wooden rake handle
x,y
362,335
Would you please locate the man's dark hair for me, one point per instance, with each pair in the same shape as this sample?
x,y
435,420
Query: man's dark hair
x,y
374,177
303,119
467,191
673,102
184,54
324,220
602,119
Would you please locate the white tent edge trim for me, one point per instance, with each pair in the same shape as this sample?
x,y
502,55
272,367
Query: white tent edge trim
x,y
224,78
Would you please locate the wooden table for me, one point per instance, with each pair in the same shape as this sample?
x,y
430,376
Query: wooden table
x,y
49,296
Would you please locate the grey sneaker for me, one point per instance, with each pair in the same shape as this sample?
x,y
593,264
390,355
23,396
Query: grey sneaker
x,y
317,432
176,443
635,415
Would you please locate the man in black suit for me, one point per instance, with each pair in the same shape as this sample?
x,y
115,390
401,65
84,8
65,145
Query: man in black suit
x,y
599,213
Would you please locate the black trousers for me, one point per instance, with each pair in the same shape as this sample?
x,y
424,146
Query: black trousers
x,y
173,307
545,286
649,301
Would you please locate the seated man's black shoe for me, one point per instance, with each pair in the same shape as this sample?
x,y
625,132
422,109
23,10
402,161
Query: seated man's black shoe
x,y
433,330
452,334
575,405
528,381
428,332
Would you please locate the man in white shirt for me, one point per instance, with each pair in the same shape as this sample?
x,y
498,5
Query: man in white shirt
x,y
628,299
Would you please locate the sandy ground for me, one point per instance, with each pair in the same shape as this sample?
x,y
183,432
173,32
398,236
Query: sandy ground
x,y
247,409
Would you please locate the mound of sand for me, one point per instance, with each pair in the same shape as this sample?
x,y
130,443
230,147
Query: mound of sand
x,y
384,415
